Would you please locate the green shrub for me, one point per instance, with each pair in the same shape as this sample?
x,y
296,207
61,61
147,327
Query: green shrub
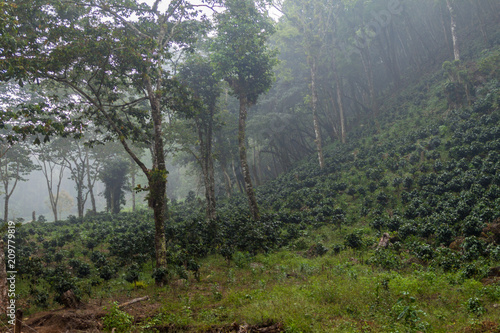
x,y
40,298
316,250
386,259
160,274
117,319
107,272
242,259
354,240
132,273
405,311
447,259
475,306
473,248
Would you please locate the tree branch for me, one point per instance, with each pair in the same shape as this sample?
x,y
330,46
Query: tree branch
x,y
100,107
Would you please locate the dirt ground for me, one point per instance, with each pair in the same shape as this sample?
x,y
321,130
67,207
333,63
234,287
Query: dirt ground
x,y
87,318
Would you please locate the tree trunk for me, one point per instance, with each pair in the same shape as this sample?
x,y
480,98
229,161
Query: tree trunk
x,y
367,66
212,206
133,187
482,25
259,169
157,180
208,182
254,209
456,50
207,167
79,200
445,30
236,177
339,99
227,179
4,299
157,187
91,188
6,200
314,102
8,193
254,168
6,209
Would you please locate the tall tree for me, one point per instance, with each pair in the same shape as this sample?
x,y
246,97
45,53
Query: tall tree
x,y
113,55
197,73
242,58
313,20
15,163
77,157
114,176
50,159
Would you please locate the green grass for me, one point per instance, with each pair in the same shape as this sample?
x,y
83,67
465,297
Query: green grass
x,y
332,293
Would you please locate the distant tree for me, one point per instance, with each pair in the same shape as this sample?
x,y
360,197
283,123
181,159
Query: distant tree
x,y
15,163
242,58
65,203
50,158
77,157
197,74
114,176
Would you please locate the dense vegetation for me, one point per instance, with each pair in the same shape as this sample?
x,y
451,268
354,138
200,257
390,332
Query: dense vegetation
x,y
396,229
435,189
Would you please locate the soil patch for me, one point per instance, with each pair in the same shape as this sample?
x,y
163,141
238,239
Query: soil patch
x,y
232,328
87,319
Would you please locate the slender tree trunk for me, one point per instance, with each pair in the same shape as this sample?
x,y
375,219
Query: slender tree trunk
x,y
223,164
157,180
254,168
236,177
275,169
338,81
54,212
207,167
259,169
227,179
254,209
133,186
4,299
445,30
6,205
456,50
367,66
482,25
212,205
91,187
5,181
79,200
314,101
8,193
210,190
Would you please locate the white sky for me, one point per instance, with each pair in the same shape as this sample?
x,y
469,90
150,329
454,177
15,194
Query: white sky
x,y
275,14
